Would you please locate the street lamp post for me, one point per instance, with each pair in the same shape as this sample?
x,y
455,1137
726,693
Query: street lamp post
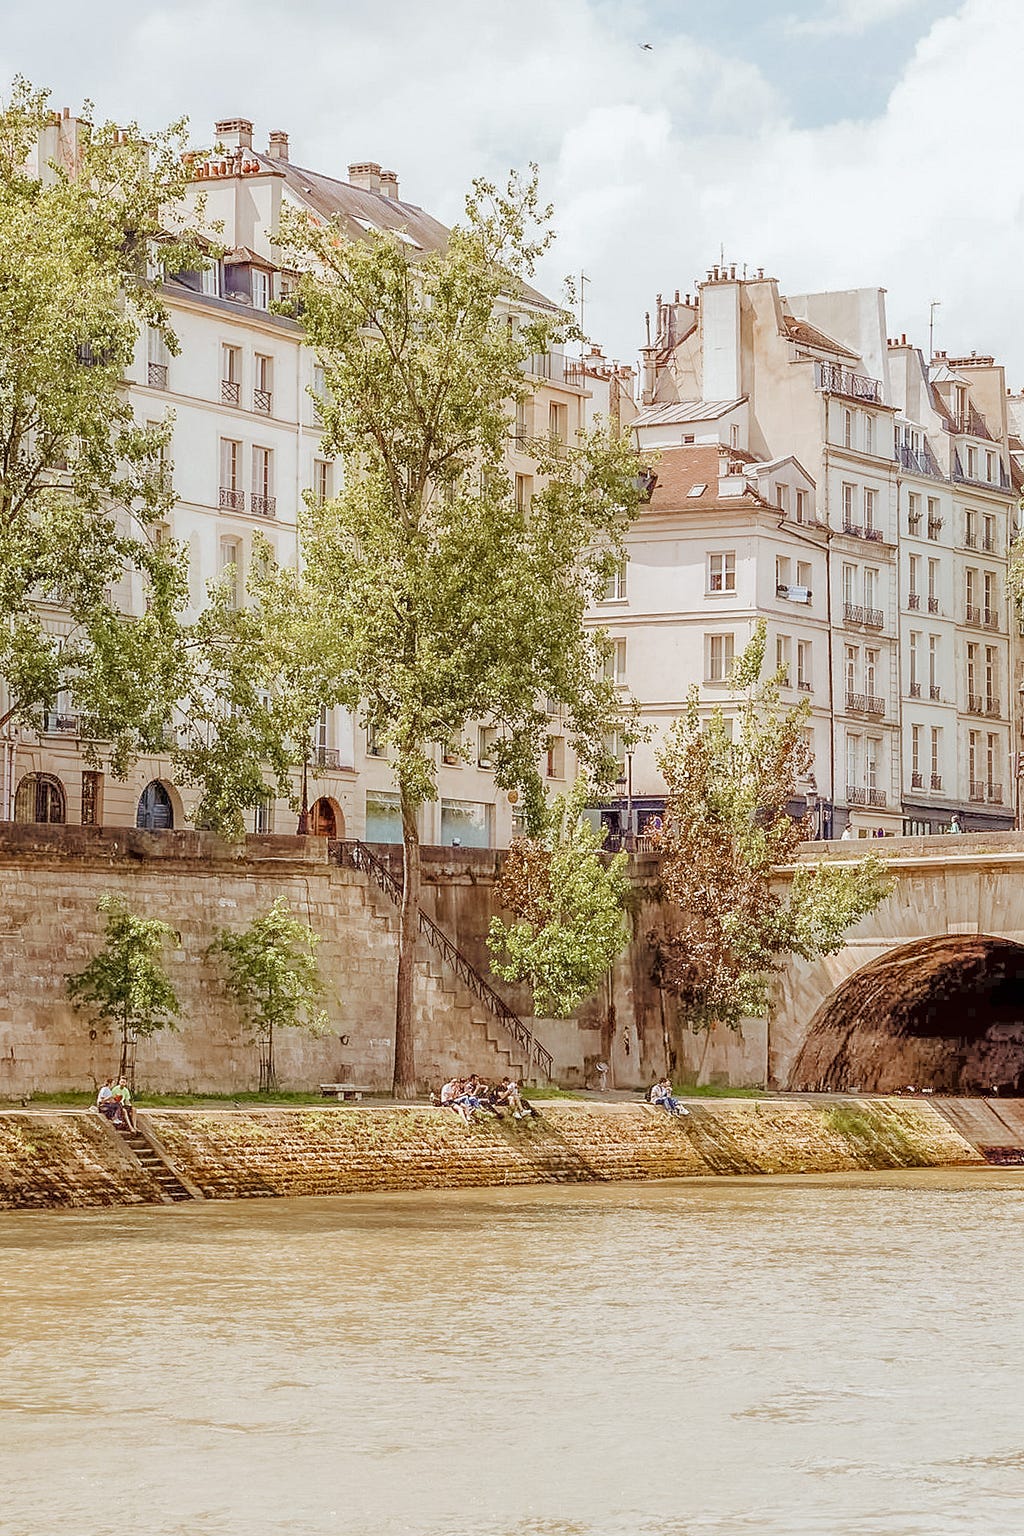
x,y
303,827
629,800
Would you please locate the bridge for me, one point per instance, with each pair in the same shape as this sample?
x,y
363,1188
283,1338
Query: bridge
x,y
929,989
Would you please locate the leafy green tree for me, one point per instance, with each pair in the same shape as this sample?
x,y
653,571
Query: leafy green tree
x,y
440,598
568,906
727,829
271,969
82,484
125,986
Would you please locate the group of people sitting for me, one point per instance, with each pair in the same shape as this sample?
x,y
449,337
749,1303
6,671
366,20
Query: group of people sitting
x,y
467,1095
114,1100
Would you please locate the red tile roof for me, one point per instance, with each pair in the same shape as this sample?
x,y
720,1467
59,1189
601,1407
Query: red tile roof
x,y
681,470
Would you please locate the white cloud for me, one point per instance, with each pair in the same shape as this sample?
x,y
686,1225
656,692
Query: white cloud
x,y
850,18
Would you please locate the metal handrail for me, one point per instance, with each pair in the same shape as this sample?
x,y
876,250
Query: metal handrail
x,y
353,852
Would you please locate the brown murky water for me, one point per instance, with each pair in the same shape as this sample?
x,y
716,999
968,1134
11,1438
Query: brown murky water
x,y
711,1358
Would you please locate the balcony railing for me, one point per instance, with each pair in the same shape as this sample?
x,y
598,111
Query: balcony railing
x,y
853,530
992,706
915,690
988,543
833,379
263,506
857,796
327,757
971,539
865,704
934,692
975,704
156,375
994,792
913,601
871,618
920,461
977,790
261,401
232,501
972,614
934,527
936,781
933,605
57,724
990,618
230,391
917,781
874,534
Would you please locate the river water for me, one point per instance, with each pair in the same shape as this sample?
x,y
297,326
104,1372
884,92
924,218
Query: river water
x,y
705,1358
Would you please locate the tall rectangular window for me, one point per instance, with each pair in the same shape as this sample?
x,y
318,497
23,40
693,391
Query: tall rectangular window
x,y
933,666
263,500
524,492
158,359
719,657
871,755
972,670
850,664
558,423
260,288
852,761
870,588
801,506
92,798
783,652
869,433
916,732
615,591
263,384
990,615
871,673
230,375
615,663
722,571
847,429
321,481
992,763
915,576
803,664
936,744
847,506
230,568
849,585
870,506
915,642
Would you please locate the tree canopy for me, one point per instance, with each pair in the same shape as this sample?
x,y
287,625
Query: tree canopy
x,y
568,906
125,985
727,828
443,594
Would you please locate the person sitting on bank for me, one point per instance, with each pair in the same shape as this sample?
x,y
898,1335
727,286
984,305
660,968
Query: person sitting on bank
x,y
661,1095
124,1113
105,1101
509,1093
450,1097
470,1097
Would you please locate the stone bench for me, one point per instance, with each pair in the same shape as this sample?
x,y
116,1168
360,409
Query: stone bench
x,y
342,1091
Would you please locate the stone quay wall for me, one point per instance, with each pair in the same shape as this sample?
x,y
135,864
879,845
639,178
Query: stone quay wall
x,y
53,1159
52,877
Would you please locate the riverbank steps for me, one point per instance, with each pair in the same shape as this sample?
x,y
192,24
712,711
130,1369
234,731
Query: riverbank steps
x,y
73,1159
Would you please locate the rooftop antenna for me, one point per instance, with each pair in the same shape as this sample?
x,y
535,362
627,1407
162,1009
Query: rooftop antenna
x,y
933,306
584,279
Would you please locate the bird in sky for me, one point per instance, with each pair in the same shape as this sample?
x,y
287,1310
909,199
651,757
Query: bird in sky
x,y
647,47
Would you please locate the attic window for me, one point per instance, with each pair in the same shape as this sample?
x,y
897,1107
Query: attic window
x,y
400,234
696,490
368,224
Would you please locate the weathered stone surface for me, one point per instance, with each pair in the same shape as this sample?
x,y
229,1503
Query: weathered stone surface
x,y
51,1160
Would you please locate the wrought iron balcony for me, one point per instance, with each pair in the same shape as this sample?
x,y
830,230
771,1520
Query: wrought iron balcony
x,y
977,790
59,724
994,793
975,704
833,379
936,779
915,690
874,534
156,375
230,391
917,781
263,506
920,461
991,619
232,501
853,530
934,527
327,757
804,684
871,618
855,795
876,797
933,605
261,401
913,601
971,539
992,706
972,614
865,704
934,692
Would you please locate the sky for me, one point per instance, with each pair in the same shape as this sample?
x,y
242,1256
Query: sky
x,y
836,143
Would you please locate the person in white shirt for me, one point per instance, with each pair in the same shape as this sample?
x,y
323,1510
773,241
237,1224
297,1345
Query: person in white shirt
x,y
661,1095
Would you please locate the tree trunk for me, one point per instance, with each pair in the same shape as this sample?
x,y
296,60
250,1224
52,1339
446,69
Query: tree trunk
x,y
408,937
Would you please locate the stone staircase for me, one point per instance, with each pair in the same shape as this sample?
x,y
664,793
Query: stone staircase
x,y
172,1190
451,983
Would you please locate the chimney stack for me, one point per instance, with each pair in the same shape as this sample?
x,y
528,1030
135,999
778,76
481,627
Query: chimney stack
x,y
234,132
365,174
278,146
389,185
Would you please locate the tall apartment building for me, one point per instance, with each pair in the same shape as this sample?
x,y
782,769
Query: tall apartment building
x,y
911,474
246,448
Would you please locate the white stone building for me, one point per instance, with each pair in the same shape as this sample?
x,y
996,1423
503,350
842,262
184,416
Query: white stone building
x,y
246,448
910,479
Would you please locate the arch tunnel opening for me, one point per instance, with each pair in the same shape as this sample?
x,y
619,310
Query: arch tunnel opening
x,y
945,1014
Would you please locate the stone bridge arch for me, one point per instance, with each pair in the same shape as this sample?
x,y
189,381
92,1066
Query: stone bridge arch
x,y
950,888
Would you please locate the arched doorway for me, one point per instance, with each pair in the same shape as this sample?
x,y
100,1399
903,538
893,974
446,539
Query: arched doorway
x,y
40,797
155,812
944,1013
325,819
